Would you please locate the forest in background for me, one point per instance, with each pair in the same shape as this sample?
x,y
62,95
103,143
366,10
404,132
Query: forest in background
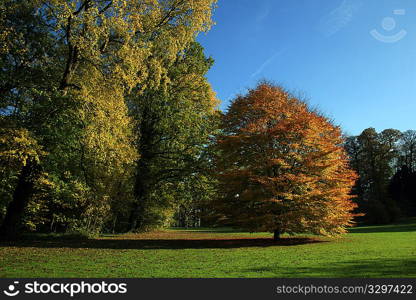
x,y
108,124
386,164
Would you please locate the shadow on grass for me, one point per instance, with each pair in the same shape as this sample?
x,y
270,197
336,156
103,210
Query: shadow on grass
x,y
370,268
157,243
208,230
384,228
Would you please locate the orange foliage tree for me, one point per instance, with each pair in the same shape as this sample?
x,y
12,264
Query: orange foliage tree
x,y
282,167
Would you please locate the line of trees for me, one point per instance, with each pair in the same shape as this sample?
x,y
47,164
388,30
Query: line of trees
x,y
386,164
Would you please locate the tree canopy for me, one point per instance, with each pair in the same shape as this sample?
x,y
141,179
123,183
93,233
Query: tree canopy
x,y
67,67
385,164
282,167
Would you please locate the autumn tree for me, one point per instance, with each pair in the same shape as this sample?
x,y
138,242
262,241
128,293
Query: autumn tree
x,y
281,167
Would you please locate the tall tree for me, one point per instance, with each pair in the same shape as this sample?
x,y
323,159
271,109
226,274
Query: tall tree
x,y
281,167
402,188
86,55
402,185
174,124
372,156
407,150
26,60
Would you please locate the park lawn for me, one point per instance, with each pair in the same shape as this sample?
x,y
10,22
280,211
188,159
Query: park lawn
x,y
376,251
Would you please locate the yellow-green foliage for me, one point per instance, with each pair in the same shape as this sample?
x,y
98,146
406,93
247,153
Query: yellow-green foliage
x,y
174,124
84,58
132,40
17,146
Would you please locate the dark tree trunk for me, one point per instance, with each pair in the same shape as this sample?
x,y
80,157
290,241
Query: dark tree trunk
x,y
144,177
71,61
136,215
276,236
136,219
21,196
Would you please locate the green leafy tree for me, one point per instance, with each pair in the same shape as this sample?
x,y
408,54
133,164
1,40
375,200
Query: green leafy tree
x,y
402,186
174,124
373,156
75,61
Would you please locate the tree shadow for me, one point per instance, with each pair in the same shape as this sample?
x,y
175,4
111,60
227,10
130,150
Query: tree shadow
x,y
384,228
208,230
152,244
369,268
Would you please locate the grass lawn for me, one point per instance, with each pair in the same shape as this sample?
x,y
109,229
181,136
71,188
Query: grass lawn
x,y
377,251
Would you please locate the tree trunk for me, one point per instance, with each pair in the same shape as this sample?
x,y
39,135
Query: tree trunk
x,y
136,218
143,180
276,236
21,196
136,215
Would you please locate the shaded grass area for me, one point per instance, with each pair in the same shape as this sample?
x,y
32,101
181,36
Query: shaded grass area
x,y
169,244
404,226
373,251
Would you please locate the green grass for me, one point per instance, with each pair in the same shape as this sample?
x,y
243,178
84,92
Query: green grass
x,y
377,251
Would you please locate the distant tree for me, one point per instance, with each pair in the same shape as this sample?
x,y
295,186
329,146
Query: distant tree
x,y
373,157
403,184
402,189
407,150
282,167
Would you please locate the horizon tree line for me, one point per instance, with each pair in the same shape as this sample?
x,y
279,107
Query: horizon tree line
x,y
386,164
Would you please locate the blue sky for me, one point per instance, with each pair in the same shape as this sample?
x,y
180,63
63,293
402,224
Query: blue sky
x,y
353,59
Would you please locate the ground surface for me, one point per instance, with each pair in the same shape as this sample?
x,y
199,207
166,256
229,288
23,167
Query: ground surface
x,y
379,251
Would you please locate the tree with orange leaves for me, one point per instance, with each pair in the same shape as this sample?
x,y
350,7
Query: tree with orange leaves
x,y
282,167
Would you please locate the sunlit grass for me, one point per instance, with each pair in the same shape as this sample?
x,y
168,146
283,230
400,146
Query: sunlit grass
x,y
373,251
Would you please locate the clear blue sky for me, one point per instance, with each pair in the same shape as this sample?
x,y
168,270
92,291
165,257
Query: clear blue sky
x,y
323,49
